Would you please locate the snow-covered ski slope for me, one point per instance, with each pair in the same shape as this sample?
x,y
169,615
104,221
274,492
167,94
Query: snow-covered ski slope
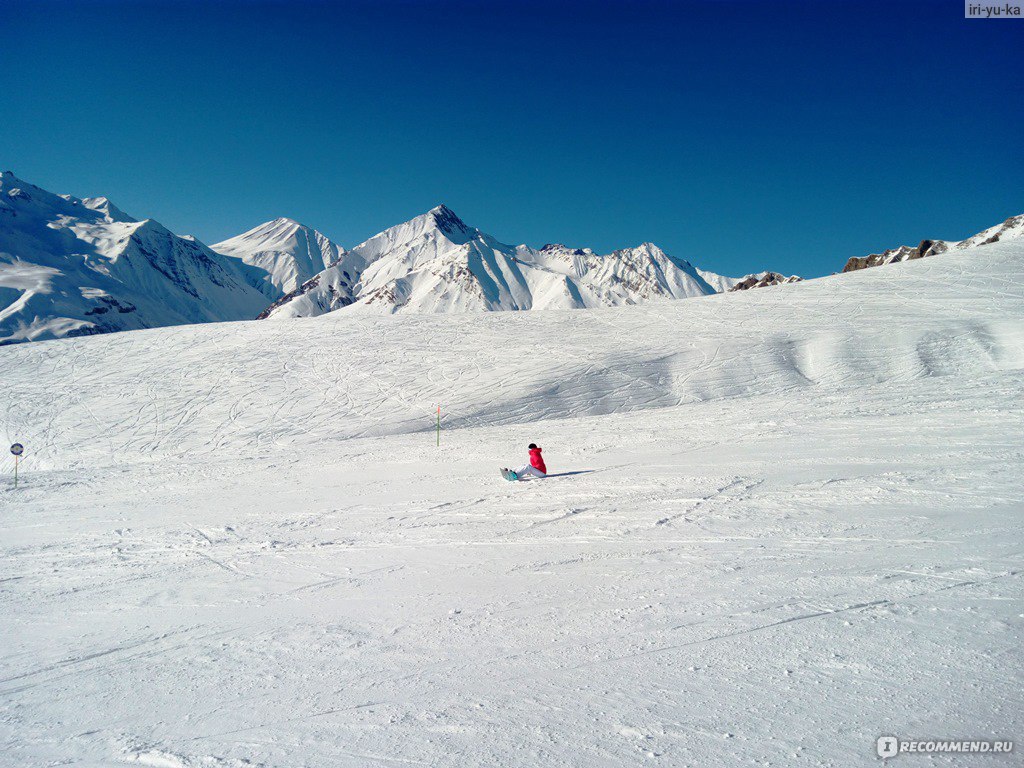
x,y
780,524
250,388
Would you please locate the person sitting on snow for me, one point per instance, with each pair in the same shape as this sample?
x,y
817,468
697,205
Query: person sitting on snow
x,y
536,467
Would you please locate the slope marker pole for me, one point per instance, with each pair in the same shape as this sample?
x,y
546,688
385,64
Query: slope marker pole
x,y
17,449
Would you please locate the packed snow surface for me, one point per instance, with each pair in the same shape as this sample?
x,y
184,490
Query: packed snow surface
x,y
779,524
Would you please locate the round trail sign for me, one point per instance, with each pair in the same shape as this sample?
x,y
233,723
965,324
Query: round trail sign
x,y
17,449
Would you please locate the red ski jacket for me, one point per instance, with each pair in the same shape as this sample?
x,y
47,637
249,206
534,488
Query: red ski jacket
x,y
537,460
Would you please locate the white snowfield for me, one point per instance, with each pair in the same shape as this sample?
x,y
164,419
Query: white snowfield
x,y
780,524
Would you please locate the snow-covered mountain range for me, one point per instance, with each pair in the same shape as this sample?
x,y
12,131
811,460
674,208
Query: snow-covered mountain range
x,y
1011,229
436,263
71,267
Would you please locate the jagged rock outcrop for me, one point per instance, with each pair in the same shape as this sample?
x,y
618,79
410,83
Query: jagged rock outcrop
x,y
763,280
903,253
1010,229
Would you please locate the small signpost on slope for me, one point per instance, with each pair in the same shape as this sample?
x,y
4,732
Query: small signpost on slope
x,y
17,449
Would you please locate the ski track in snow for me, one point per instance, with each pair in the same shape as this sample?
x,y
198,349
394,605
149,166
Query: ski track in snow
x,y
795,527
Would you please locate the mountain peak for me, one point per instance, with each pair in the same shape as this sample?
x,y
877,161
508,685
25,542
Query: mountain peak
x,y
108,209
9,177
562,248
281,253
270,233
447,221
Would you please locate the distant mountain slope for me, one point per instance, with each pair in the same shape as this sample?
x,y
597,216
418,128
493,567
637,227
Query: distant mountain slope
x,y
436,263
720,283
71,267
284,253
1011,229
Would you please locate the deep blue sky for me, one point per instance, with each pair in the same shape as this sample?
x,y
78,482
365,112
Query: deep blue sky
x,y
739,135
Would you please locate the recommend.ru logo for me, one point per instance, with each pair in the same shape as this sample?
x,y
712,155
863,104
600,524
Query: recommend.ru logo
x,y
891,746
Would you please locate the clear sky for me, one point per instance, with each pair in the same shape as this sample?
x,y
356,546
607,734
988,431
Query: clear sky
x,y
739,135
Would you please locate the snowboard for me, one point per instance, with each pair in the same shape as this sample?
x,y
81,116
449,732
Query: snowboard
x,y
508,474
